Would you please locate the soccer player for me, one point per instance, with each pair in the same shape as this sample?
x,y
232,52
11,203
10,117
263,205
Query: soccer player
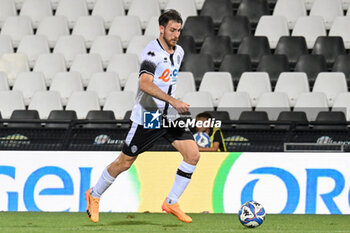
x,y
160,63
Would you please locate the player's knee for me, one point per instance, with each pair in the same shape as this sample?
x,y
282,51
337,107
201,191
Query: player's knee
x,y
194,157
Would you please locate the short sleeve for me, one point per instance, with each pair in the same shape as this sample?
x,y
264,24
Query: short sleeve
x,y
217,137
148,61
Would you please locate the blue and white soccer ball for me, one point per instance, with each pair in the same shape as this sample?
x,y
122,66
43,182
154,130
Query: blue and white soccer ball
x,y
251,214
202,139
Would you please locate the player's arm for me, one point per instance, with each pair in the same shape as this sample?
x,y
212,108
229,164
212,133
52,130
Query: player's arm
x,y
147,86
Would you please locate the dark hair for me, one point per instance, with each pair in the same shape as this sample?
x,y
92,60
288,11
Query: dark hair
x,y
168,15
204,115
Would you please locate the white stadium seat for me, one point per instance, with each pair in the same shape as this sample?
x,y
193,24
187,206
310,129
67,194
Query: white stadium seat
x,y
53,27
33,46
235,103
10,101
138,44
126,27
89,27
328,10
123,65
340,28
199,102
273,103
184,84
145,10
86,65
17,27
311,103
50,64
106,47
273,27
5,45
291,9
108,9
66,83
7,8
45,102
72,10
119,102
70,46
104,83
217,84
12,64
184,7
28,83
255,84
82,102
36,10
309,27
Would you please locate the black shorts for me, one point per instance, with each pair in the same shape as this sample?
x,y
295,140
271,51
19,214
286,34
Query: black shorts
x,y
139,139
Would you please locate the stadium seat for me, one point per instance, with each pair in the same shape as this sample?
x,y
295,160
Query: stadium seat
x,y
53,27
126,4
97,115
10,101
144,9
86,65
72,10
236,64
311,103
90,4
7,8
217,10
132,83
340,28
12,64
219,115
330,47
288,118
17,27
198,64
255,84
346,4
199,27
273,65
255,47
119,102
18,4
162,3
342,103
66,83
106,47
89,27
293,47
248,117
108,9
103,83
28,83
4,83
234,103
24,115
61,115
82,102
36,10
126,27
273,103
341,64
138,43
293,84
308,4
45,102
311,64
332,84
199,102
54,4
185,7
217,47
187,43
216,83
5,45
123,65
291,9
185,83
236,27
70,46
152,28
253,9
33,46
273,27
309,27
50,64
328,10
330,121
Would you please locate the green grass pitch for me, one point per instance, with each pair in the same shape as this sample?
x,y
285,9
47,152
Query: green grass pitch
x,y
44,222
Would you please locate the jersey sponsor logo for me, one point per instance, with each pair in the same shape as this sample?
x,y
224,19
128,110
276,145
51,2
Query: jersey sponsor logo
x,y
150,53
166,75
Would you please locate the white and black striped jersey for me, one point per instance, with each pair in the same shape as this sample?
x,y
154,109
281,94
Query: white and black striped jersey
x,y
164,68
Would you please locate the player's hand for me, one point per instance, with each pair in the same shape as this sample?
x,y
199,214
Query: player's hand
x,y
180,106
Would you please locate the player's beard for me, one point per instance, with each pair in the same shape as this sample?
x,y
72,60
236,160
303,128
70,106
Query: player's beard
x,y
169,42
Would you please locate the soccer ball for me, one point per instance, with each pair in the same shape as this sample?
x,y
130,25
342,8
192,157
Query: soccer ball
x,y
202,139
251,214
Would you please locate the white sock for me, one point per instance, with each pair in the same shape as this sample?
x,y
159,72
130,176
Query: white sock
x,y
102,184
182,178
